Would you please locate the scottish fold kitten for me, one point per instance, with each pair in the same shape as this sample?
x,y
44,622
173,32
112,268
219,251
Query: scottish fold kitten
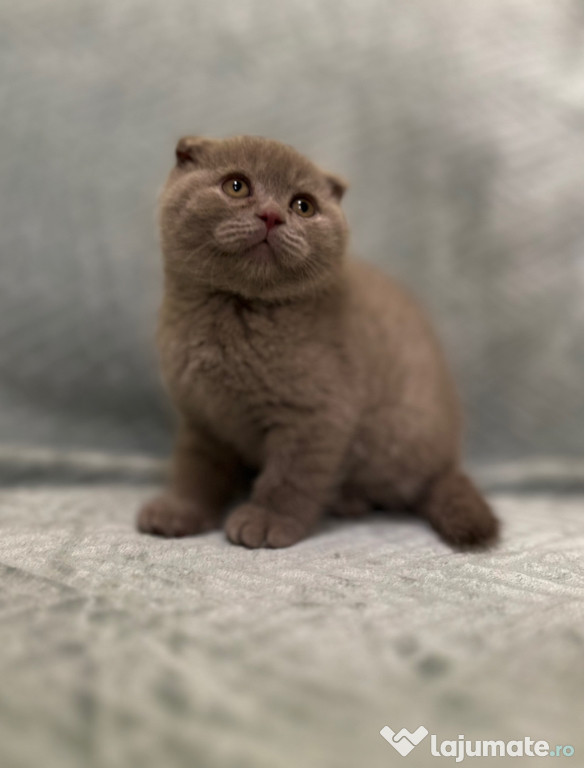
x,y
284,356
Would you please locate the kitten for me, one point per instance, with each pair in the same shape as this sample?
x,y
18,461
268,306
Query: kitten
x,y
283,356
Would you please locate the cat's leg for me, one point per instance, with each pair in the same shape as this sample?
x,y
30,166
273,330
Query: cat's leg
x,y
204,478
458,512
298,481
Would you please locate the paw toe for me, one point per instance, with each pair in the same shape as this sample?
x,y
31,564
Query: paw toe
x,y
253,527
283,533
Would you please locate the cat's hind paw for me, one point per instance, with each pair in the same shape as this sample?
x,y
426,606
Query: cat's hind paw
x,y
459,513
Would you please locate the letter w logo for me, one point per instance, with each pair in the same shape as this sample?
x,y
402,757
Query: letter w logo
x,y
404,741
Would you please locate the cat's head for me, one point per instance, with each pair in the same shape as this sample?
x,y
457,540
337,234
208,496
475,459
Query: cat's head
x,y
251,216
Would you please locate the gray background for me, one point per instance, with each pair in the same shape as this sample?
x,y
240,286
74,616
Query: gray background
x,y
458,125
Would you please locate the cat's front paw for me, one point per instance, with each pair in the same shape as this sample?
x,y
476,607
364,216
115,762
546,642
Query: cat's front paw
x,y
172,516
253,526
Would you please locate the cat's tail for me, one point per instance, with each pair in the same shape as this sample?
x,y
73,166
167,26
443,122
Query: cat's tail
x,y
458,512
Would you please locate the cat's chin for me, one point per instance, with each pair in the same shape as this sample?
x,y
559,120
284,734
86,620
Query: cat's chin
x,y
259,252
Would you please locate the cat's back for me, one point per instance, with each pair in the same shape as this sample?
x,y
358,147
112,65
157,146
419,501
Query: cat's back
x,y
385,306
395,341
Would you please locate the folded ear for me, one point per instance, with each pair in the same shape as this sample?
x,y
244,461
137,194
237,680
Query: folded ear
x,y
337,184
189,149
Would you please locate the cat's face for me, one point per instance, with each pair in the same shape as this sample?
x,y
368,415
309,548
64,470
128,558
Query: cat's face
x,y
251,216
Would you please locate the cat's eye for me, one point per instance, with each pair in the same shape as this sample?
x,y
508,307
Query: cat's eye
x,y
303,207
235,186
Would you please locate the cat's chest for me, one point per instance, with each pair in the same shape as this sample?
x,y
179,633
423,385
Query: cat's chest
x,y
234,375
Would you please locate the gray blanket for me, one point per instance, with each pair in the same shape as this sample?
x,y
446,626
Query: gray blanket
x,y
120,650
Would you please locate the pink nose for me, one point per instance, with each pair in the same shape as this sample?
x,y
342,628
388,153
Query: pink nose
x,y
270,218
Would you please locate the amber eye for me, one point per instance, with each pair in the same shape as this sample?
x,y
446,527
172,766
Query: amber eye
x,y
236,187
303,207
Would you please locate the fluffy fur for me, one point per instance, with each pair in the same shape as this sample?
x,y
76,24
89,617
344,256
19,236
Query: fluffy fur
x,y
286,361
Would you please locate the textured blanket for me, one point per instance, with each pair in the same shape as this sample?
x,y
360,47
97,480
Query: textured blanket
x,y
121,650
